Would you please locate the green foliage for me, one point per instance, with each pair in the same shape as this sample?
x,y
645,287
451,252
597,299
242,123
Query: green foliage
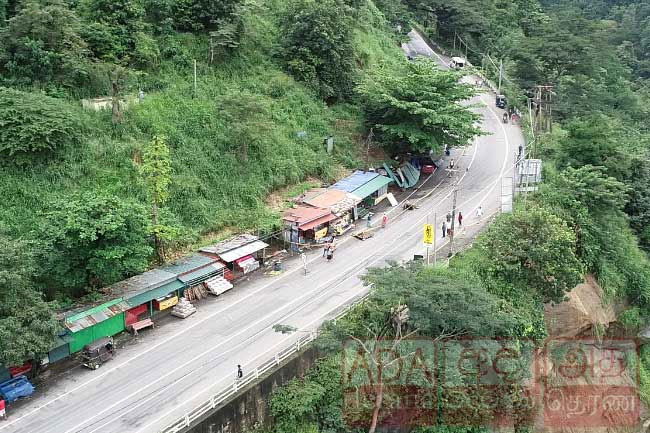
x,y
206,15
314,401
42,44
531,250
441,303
590,186
418,106
113,27
316,45
93,239
31,123
27,322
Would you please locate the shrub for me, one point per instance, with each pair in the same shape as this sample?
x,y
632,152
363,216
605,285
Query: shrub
x,y
34,123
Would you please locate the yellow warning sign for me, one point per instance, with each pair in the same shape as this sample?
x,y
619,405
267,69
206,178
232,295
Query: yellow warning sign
x,y
428,234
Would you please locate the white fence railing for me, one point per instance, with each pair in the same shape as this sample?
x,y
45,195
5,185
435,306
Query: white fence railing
x,y
226,393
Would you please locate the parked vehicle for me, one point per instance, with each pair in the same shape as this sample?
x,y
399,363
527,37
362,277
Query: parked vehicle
x,y
98,352
16,388
457,62
501,102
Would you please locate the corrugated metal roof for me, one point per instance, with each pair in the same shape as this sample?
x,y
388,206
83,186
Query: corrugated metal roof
x,y
96,315
230,244
317,222
200,273
140,283
93,310
354,181
304,214
156,293
370,187
337,201
245,250
188,264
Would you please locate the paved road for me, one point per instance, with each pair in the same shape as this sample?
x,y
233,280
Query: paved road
x,y
174,368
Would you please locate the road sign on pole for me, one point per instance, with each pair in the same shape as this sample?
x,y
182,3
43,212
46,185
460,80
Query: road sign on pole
x,y
428,234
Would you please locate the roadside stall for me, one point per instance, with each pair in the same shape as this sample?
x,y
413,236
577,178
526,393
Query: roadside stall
x,y
369,186
104,320
240,254
142,290
342,204
306,225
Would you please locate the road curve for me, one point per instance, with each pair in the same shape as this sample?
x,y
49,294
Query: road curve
x,y
174,368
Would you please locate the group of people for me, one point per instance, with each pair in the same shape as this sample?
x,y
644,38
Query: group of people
x,y
446,224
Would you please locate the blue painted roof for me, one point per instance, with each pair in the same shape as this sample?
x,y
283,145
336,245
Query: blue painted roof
x,y
355,180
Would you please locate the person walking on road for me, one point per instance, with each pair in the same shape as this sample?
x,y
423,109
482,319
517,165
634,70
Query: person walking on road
x,y
240,372
479,212
330,254
369,220
326,249
460,218
384,220
3,412
304,262
444,229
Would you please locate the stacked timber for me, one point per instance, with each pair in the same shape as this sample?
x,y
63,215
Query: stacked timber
x,y
183,309
195,293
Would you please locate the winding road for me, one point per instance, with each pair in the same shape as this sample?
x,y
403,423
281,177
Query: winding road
x,y
172,369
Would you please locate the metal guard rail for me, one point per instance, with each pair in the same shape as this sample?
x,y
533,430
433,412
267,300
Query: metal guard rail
x,y
231,390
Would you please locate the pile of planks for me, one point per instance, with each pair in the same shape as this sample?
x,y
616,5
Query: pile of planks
x,y
196,293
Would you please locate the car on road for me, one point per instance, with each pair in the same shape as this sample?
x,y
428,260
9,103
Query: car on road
x,y
501,102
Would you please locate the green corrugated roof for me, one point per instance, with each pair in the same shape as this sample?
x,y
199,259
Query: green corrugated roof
x,y
93,310
155,293
372,186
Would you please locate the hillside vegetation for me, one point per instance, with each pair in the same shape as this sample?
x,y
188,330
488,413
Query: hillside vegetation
x,y
249,129
589,216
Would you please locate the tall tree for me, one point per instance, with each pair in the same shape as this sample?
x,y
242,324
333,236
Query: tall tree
x,y
156,170
531,250
316,45
27,323
42,44
417,106
93,239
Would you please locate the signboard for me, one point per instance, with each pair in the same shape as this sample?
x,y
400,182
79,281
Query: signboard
x,y
428,234
167,303
320,233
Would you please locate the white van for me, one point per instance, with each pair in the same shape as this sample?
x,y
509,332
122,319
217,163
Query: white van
x,y
457,62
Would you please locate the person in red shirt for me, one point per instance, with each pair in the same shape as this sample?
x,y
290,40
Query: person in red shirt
x,y
384,221
3,412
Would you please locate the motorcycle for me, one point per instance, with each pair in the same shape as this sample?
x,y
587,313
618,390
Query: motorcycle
x,y
505,117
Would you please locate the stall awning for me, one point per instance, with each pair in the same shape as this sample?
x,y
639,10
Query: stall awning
x,y
242,251
95,315
315,223
155,293
372,186
200,275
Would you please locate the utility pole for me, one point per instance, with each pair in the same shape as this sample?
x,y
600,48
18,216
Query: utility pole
x,y
435,229
500,73
368,142
195,78
453,218
454,41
